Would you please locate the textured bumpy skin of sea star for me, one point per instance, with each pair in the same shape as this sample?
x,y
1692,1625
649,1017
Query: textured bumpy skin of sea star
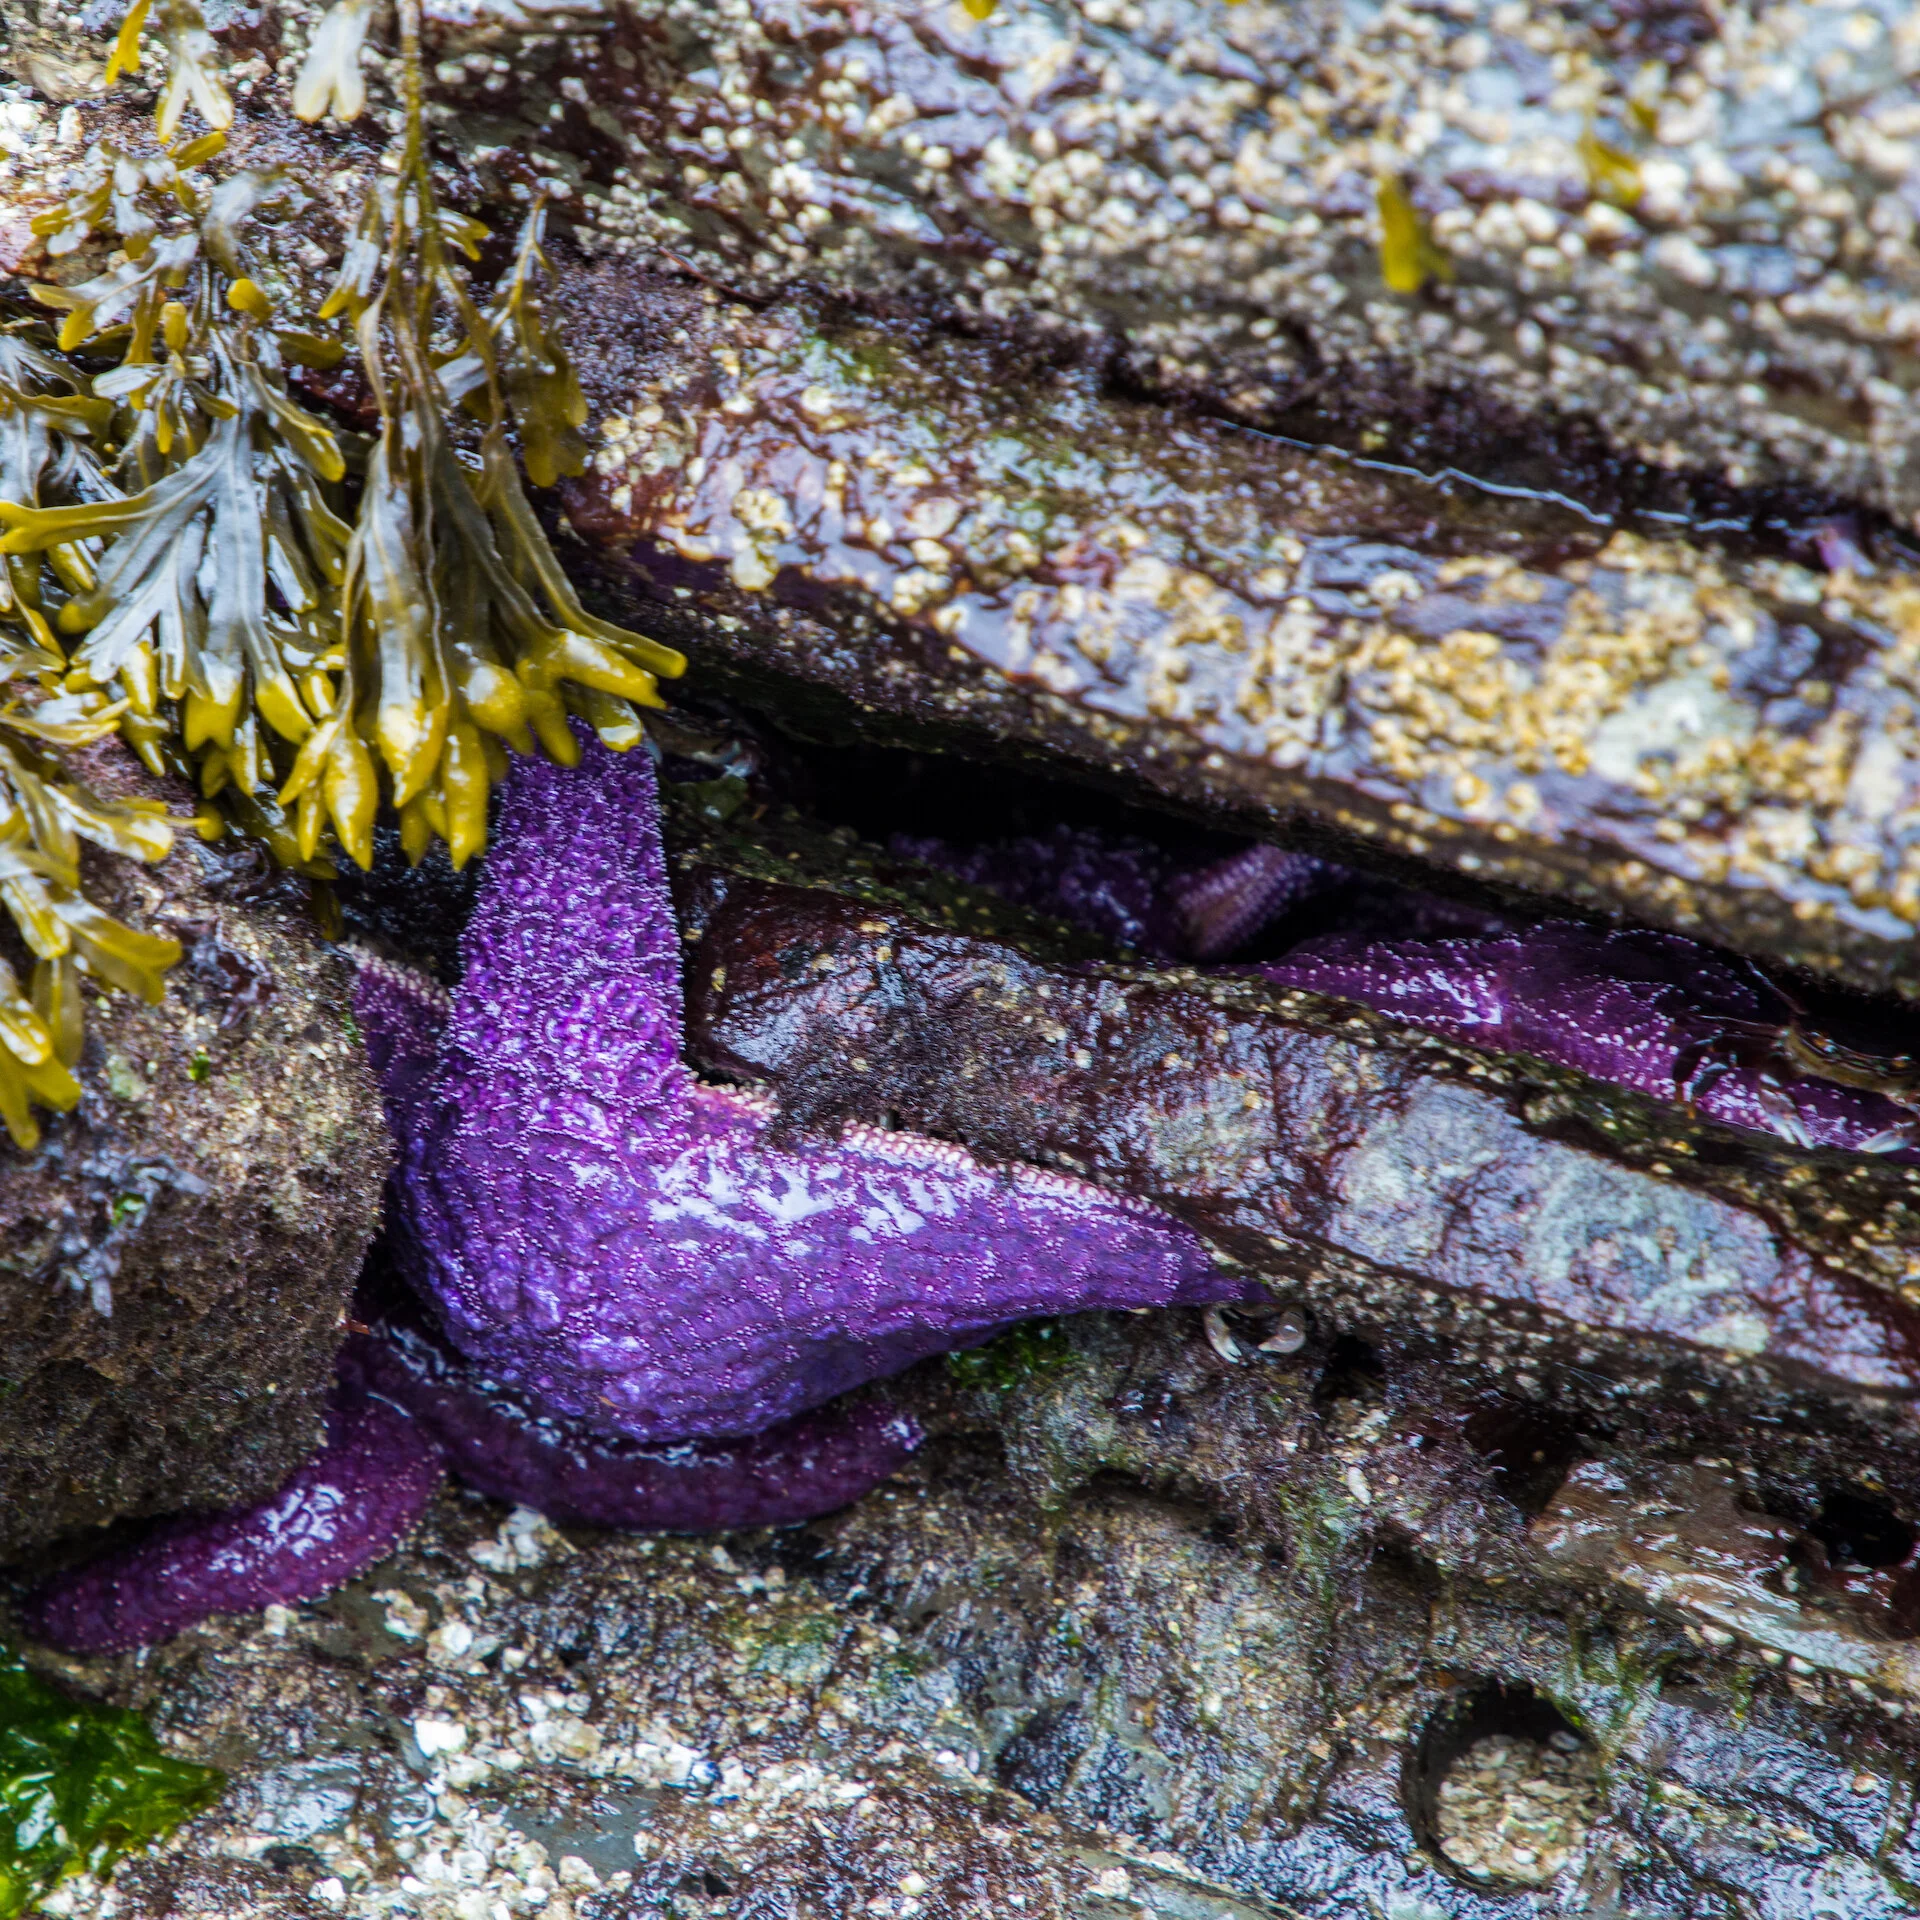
x,y
406,1406
1629,1007
499,1444
1129,890
643,1253
1222,906
347,1507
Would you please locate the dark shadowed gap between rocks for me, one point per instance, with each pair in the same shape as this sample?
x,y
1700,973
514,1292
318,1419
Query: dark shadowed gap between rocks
x,y
1567,478
724,756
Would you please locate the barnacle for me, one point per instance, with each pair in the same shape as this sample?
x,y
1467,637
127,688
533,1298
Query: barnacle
x,y
189,553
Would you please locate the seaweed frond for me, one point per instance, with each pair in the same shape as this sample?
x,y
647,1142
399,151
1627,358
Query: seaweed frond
x,y
306,625
462,635
81,1785
315,643
49,429
45,812
317,647
193,77
201,560
329,81
1409,255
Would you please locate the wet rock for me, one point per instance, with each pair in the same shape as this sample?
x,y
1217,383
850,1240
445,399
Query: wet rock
x,y
1576,249
164,1889
870,525
1596,1248
1144,1632
176,1256
1653,256
1689,1540
1281,598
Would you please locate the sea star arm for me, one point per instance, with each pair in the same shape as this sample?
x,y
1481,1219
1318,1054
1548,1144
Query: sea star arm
x,y
651,1256
1222,906
1624,1006
405,1405
499,1444
350,1505
1127,890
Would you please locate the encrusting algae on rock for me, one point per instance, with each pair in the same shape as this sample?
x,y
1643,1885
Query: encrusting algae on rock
x,y
185,557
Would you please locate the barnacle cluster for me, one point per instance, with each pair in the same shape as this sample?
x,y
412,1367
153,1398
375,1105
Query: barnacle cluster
x,y
304,620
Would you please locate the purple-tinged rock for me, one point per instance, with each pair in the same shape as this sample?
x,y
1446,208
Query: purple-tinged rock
x,y
501,1445
1266,635
1653,1012
1385,1184
651,1256
347,1507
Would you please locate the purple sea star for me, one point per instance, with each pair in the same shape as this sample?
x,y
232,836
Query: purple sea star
x,y
1633,1008
405,1407
647,1254
351,1503
1222,906
1133,892
500,1444
649,1295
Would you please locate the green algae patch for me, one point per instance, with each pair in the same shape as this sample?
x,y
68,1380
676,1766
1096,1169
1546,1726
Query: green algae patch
x,y
80,1786
1025,1353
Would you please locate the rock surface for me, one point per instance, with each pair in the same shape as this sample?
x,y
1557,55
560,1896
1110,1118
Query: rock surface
x,y
875,526
1398,1183
1573,571
1150,1632
1653,254
1563,247
1188,1617
1194,1616
176,1257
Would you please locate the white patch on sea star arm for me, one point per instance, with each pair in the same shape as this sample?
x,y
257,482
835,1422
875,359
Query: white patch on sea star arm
x,y
887,1215
800,1200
